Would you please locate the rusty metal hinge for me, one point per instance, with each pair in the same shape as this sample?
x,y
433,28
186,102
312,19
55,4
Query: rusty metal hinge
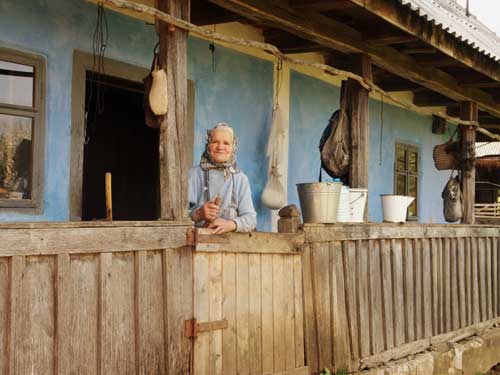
x,y
191,237
192,327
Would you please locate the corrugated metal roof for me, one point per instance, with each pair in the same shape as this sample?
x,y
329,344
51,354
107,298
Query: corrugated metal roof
x,y
487,148
451,17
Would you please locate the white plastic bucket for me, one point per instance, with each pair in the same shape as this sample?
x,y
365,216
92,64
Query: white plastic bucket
x,y
319,201
357,203
395,207
344,211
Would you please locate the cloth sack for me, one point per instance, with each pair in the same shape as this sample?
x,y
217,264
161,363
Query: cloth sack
x,y
452,200
274,194
152,120
334,145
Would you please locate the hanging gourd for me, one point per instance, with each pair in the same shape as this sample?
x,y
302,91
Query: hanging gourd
x,y
158,95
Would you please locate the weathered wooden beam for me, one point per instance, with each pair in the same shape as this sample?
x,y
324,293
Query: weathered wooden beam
x,y
357,111
409,21
287,43
395,85
431,99
333,34
389,39
468,112
203,13
173,130
322,5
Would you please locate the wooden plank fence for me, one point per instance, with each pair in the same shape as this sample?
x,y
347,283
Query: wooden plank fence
x,y
114,298
375,293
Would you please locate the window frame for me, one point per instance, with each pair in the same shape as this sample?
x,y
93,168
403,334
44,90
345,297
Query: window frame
x,y
407,173
34,205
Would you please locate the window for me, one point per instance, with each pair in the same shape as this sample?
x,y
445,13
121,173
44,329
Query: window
x,y
406,175
22,104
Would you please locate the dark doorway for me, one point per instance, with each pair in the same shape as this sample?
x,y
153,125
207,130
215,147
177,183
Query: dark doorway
x,y
118,141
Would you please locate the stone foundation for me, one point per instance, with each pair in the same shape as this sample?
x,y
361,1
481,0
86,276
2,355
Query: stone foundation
x,y
472,356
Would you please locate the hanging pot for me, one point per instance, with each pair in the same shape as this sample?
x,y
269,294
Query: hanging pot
x,y
446,156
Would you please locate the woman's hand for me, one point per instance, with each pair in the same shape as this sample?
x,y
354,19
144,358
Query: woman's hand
x,y
209,211
220,226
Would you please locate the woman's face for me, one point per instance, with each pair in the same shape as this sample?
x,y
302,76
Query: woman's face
x,y
221,146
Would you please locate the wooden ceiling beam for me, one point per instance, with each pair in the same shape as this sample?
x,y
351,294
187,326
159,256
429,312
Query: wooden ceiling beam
x,y
396,85
322,5
431,99
332,34
390,40
287,43
409,21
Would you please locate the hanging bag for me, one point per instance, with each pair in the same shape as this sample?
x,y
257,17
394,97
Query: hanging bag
x,y
154,85
452,200
445,155
274,195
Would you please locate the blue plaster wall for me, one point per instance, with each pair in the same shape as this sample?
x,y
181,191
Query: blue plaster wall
x,y
313,101
239,92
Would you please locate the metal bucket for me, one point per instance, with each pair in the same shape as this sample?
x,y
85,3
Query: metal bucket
x,y
319,201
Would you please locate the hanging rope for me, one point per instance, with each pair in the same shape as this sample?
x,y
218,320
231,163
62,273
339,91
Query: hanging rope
x,y
269,48
99,44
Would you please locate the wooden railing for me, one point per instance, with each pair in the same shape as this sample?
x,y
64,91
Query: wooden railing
x,y
101,298
487,210
380,292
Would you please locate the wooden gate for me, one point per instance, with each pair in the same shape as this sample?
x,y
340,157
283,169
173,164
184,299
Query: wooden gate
x,y
248,304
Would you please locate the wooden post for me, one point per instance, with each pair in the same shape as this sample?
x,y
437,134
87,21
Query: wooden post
x,y
289,221
358,113
468,112
173,130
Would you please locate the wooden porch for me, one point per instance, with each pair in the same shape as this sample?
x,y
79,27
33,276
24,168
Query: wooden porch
x,y
102,298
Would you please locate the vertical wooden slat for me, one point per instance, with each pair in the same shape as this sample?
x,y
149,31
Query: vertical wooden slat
x,y
419,289
436,289
428,278
299,311
215,312
455,306
398,293
255,317
321,276
482,279
16,270
340,328
149,313
63,315
408,290
242,308
229,313
311,333
267,314
201,311
352,309
387,293
495,265
4,315
446,285
468,281
83,285
375,281
461,272
289,313
363,298
489,277
118,314
35,318
476,302
177,308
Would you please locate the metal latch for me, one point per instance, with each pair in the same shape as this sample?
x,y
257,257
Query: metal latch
x,y
192,327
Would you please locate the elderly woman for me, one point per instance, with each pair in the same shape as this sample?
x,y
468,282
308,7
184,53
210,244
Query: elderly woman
x,y
219,192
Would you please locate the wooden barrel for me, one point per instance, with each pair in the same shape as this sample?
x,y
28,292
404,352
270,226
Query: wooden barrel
x,y
446,156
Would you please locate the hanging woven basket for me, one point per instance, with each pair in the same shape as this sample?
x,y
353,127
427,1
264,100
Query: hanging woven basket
x,y
446,156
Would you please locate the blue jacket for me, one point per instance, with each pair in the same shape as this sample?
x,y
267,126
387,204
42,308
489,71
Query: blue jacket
x,y
235,192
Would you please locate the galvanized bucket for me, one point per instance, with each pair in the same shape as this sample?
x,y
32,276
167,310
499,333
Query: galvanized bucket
x,y
319,201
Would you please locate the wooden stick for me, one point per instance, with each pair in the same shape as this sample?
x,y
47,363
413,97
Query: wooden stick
x,y
109,198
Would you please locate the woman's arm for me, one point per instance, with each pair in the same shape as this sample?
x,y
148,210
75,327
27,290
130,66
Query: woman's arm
x,y
247,217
